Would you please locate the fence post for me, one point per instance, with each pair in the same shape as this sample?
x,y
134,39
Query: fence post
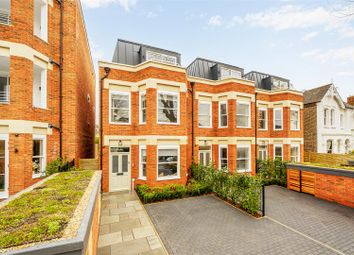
x,y
263,200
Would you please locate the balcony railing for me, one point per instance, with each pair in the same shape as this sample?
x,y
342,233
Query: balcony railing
x,y
5,95
5,17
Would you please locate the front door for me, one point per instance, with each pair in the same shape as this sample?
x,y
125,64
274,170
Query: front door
x,y
119,178
4,164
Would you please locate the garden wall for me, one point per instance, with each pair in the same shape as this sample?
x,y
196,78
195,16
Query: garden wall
x,y
335,185
326,158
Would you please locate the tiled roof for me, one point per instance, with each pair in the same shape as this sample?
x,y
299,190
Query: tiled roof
x,y
315,95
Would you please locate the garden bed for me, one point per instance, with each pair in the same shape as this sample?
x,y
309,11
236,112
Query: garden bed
x,y
50,212
332,166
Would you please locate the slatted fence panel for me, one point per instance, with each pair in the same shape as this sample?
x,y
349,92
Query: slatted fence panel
x,y
308,182
294,180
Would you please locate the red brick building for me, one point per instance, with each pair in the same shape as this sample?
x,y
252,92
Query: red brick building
x,y
157,116
32,53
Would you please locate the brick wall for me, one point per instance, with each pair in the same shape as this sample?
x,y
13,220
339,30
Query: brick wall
x,y
350,100
310,127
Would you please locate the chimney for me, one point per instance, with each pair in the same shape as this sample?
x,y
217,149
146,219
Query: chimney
x,y
350,100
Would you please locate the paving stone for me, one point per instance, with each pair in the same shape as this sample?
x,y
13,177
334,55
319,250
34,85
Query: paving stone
x,y
109,239
124,216
143,232
104,229
125,225
116,211
109,219
132,203
159,251
104,250
154,242
131,247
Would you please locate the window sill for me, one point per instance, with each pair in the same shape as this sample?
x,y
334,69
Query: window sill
x,y
42,39
36,176
167,123
120,123
142,178
204,127
242,127
168,178
223,127
261,129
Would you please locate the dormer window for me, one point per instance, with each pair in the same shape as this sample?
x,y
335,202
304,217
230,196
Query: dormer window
x,y
280,84
229,73
162,58
5,7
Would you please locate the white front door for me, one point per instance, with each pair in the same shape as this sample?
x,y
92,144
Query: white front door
x,y
119,174
4,166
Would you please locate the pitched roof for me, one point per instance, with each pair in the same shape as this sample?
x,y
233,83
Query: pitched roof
x,y
315,95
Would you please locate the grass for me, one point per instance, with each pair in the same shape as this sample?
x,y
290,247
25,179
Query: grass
x,y
43,213
328,166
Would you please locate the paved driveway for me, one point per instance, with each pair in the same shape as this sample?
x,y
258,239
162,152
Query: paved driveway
x,y
296,224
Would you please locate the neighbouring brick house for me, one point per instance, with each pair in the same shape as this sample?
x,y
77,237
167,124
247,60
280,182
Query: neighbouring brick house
x,y
157,116
328,121
30,82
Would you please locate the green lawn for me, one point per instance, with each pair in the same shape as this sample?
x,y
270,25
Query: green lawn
x,y
43,213
328,166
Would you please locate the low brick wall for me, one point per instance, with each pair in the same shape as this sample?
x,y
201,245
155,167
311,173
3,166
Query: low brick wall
x,y
335,185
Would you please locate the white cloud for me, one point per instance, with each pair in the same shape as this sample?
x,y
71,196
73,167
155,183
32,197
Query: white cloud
x,y
236,20
126,4
345,73
309,36
343,55
215,21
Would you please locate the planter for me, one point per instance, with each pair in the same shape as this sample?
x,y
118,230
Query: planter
x,y
80,236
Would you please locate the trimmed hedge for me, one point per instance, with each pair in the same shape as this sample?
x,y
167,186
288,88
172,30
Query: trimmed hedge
x,y
243,190
154,194
272,172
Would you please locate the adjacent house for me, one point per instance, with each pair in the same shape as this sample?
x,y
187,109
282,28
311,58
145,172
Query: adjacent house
x,y
158,117
328,121
47,89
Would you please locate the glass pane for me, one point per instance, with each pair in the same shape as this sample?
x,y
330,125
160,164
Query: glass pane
x,y
201,158
204,121
241,164
242,152
120,101
115,163
242,109
261,114
143,115
168,155
166,115
278,124
119,115
223,153
242,121
167,169
143,155
277,114
261,124
2,182
168,101
223,109
2,148
37,165
144,169
207,158
125,163
37,148
204,108
204,148
223,163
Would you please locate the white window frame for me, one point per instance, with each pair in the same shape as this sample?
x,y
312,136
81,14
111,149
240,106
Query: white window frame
x,y
266,118
282,152
43,92
249,158
281,115
266,151
43,33
43,138
326,117
206,151
114,92
227,118
332,117
157,106
298,156
249,116
168,147
141,177
298,119
6,20
5,193
210,116
140,108
224,146
7,76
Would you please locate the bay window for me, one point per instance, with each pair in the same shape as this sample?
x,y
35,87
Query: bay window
x,y
223,114
223,157
119,107
243,115
168,162
278,119
243,161
204,114
262,119
167,107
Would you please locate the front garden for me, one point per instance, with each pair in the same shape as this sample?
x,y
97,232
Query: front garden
x,y
43,213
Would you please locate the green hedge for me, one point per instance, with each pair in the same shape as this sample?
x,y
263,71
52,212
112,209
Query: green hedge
x,y
242,189
154,194
272,172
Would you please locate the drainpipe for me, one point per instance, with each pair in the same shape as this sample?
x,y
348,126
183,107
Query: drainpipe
x,y
60,65
107,71
192,91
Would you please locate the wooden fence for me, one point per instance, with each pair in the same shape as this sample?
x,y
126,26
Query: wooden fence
x,y
325,158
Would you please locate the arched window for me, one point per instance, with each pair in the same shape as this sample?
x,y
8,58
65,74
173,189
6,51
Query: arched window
x,y
347,146
329,146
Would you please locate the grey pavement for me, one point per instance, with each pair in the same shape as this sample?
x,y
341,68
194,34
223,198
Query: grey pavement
x,y
207,225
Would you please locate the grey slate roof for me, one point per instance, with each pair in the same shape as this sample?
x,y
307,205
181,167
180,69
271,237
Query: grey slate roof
x,y
315,95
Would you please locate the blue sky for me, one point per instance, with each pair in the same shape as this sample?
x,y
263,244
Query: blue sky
x,y
309,42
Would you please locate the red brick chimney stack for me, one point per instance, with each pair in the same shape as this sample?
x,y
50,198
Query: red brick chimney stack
x,y
350,100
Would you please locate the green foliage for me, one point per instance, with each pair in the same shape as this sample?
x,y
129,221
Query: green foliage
x,y
154,194
272,172
97,140
59,165
242,189
43,213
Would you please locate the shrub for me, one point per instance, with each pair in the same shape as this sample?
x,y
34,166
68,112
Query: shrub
x,y
58,165
195,188
272,172
153,194
242,189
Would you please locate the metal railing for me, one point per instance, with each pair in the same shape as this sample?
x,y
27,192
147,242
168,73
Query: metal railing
x,y
5,17
5,95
